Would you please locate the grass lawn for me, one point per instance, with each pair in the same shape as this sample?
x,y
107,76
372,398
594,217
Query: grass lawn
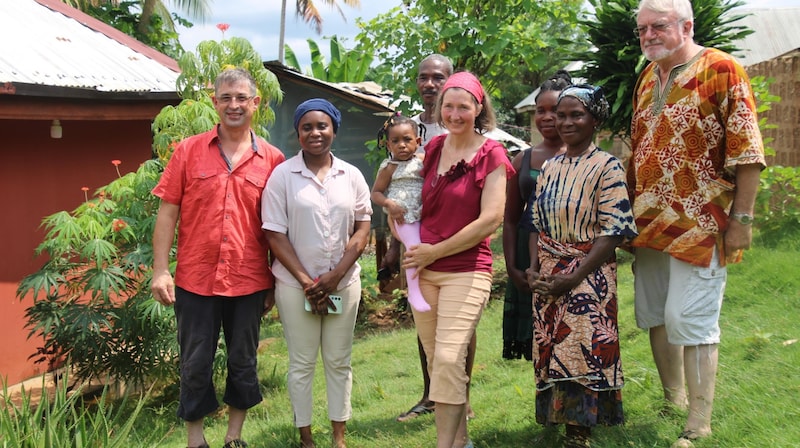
x,y
757,389
758,385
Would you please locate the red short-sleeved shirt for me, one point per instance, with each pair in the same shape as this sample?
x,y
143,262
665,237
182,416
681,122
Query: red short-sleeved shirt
x,y
453,200
222,250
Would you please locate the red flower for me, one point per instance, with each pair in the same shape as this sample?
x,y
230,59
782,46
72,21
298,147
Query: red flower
x,y
118,224
223,27
116,164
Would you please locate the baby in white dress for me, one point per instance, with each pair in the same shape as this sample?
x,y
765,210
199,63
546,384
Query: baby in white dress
x,y
398,189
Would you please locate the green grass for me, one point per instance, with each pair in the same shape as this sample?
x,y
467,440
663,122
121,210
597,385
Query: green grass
x,y
758,383
63,418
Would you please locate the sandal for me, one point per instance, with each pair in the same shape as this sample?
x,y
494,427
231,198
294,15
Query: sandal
x,y
236,443
686,439
578,437
416,411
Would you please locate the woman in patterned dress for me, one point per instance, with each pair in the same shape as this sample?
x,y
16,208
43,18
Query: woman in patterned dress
x,y
580,215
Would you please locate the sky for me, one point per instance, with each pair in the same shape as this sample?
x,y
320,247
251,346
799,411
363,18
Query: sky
x,y
258,21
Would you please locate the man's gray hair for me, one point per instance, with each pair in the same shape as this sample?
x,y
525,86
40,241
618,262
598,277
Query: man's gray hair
x,y
681,8
234,75
442,59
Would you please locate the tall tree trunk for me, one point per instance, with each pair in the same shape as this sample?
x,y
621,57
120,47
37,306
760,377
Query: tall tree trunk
x,y
148,7
283,31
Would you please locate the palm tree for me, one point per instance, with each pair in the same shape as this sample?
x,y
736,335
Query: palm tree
x,y
307,10
195,9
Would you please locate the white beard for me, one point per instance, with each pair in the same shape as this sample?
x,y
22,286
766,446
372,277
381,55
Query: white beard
x,y
660,53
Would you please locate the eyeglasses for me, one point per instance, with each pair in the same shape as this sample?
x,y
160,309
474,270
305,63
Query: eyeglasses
x,y
657,28
227,99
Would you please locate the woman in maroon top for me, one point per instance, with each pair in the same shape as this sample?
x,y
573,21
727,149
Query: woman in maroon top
x,y
463,199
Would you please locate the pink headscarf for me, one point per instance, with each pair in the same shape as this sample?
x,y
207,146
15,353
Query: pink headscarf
x,y
466,81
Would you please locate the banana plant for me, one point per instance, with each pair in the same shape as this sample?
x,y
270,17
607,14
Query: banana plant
x,y
345,65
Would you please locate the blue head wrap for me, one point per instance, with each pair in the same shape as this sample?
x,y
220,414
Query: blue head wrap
x,y
591,97
322,106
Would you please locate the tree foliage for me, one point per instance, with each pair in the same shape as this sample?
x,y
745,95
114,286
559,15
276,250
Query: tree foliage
x,y
92,303
126,17
344,66
196,9
196,112
616,59
308,11
506,44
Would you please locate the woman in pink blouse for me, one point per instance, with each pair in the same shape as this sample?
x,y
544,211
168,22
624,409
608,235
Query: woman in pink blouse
x,y
463,199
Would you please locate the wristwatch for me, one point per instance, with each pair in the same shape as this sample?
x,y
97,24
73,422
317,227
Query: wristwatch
x,y
743,218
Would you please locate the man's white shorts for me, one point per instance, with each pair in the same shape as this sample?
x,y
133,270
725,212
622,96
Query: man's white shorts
x,y
685,298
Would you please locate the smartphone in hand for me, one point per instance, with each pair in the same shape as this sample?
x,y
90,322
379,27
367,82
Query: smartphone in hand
x,y
337,301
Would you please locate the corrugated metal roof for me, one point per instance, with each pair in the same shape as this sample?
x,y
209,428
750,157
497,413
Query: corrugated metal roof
x,y
775,33
39,45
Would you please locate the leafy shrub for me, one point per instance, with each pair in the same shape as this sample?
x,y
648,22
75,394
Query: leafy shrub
x,y
96,308
778,205
764,100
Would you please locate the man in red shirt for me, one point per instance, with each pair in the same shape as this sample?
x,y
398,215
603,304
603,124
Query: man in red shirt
x,y
213,183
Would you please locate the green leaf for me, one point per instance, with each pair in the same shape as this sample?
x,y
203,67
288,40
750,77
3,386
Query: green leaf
x,y
317,61
43,281
102,282
290,59
99,251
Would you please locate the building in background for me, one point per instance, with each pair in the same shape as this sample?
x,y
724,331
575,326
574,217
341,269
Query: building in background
x,y
75,94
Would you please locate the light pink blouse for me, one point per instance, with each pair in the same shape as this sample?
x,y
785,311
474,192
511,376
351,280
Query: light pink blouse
x,y
318,217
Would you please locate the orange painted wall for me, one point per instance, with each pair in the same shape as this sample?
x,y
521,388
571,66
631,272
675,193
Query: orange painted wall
x,y
38,177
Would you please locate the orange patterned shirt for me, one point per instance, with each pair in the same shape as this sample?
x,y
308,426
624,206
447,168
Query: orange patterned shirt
x,y
687,142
